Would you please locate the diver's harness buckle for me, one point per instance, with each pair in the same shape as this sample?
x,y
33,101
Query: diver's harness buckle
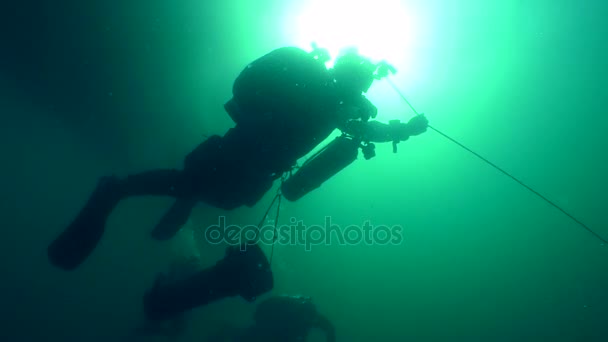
x,y
396,140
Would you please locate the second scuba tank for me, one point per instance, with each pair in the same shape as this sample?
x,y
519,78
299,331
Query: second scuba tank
x,y
332,159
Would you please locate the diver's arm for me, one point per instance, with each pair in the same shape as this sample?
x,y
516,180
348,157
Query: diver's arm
x,y
375,131
321,322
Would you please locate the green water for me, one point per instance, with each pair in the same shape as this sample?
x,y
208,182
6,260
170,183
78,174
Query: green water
x,y
100,87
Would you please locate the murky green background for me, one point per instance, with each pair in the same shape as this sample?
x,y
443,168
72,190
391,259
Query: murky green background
x,y
89,88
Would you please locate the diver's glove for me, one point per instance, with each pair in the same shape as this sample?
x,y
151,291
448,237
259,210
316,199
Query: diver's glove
x,y
417,125
402,131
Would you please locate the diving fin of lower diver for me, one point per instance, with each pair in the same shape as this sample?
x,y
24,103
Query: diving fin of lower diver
x,y
174,219
80,238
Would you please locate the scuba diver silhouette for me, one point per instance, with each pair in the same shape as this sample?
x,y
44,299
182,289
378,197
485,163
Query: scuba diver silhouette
x,y
284,104
282,319
180,269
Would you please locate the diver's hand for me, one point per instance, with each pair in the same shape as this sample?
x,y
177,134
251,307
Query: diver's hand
x,y
417,125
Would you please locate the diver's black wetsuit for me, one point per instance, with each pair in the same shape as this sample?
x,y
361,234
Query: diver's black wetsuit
x,y
278,123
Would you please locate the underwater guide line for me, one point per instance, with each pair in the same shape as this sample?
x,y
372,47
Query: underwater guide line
x,y
520,182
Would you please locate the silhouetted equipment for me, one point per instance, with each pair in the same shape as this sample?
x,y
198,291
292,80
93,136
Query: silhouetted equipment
x,y
277,84
320,167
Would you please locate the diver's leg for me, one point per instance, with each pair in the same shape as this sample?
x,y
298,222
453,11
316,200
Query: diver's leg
x,y
174,219
79,239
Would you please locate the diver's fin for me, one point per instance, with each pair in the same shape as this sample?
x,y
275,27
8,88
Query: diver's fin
x,y
79,239
174,219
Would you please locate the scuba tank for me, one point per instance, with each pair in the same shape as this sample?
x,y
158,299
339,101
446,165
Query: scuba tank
x,y
279,82
320,167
